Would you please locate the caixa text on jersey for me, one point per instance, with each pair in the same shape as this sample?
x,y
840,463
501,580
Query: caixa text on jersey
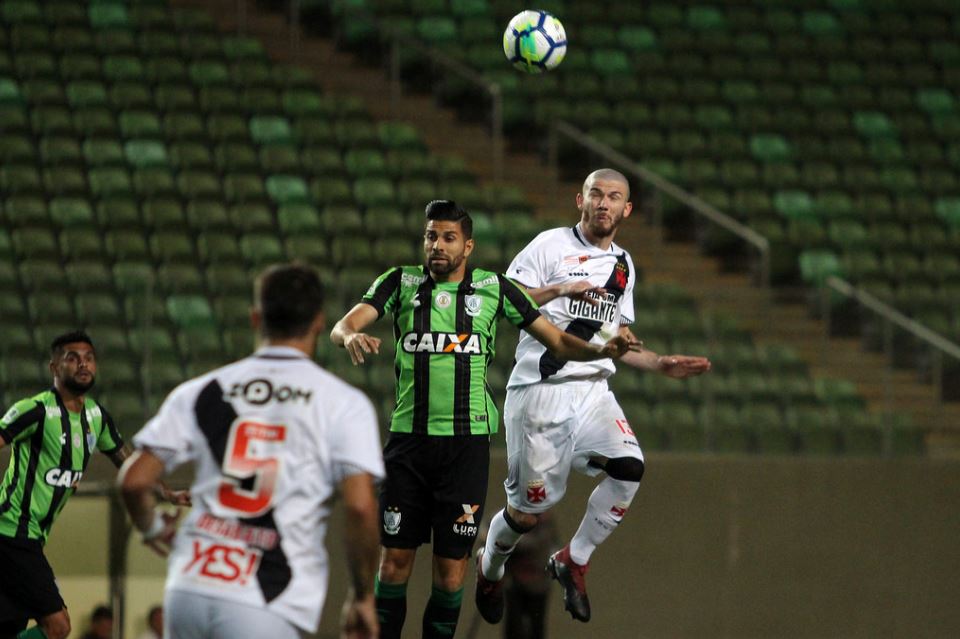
x,y
262,391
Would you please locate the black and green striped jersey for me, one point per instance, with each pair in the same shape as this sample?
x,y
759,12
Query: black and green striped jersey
x,y
51,449
445,335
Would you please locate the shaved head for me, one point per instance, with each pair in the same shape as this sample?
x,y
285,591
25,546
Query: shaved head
x,y
610,175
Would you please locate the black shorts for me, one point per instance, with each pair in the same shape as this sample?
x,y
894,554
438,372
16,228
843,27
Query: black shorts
x,y
434,485
27,586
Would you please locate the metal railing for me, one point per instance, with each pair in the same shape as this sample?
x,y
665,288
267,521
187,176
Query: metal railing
x,y
663,186
940,347
399,42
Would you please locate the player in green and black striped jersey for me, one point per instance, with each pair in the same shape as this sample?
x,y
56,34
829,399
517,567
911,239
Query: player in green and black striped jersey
x,y
445,318
53,435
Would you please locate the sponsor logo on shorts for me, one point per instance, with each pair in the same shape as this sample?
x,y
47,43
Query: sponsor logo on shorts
x,y
536,491
63,478
439,343
391,520
465,524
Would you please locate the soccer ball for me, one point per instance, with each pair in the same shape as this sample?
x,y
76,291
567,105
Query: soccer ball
x,y
534,41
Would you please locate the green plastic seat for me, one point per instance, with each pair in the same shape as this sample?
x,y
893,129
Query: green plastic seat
x,y
270,130
872,124
279,158
39,274
261,249
166,70
244,187
219,248
251,217
208,73
139,124
145,153
331,190
190,155
190,311
163,214
236,156
72,212
770,148
286,189
794,204
180,277
108,15
228,279
195,185
130,96
175,97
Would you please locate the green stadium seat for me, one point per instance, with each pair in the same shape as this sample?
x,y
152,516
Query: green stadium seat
x,y
190,311
227,279
196,185
118,213
126,245
219,248
277,158
331,190
310,249
89,276
190,155
244,187
251,217
166,70
181,277
40,274
163,214
130,96
35,243
183,126
287,189
80,243
206,215
261,249
270,130
295,218
175,97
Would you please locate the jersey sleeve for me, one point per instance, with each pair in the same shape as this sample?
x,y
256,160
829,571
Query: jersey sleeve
x,y
530,266
384,293
626,307
168,434
110,440
354,438
518,307
21,420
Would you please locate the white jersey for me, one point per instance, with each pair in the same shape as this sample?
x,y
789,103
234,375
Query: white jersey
x,y
563,255
271,437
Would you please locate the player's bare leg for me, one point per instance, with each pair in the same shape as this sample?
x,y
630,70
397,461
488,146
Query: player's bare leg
x,y
396,565
443,609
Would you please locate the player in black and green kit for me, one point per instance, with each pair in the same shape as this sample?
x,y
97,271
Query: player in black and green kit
x,y
437,457
53,435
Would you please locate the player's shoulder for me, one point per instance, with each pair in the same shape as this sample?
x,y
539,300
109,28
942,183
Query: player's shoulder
x,y
556,237
620,250
24,406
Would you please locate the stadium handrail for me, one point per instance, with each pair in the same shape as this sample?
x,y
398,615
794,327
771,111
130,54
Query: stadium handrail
x,y
400,40
939,345
661,184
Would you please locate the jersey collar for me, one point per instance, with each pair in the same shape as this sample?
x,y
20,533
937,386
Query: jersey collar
x,y
579,235
279,352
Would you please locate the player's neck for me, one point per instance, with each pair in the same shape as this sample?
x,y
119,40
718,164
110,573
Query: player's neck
x,y
602,243
306,345
73,402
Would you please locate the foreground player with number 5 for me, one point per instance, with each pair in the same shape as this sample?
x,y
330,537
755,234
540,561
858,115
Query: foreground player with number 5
x,y
274,438
561,415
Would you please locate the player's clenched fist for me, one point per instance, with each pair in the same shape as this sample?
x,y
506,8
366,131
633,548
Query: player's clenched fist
x,y
621,345
359,343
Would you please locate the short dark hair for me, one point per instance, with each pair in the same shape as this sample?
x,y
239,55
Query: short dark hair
x,y
56,346
289,297
450,211
102,612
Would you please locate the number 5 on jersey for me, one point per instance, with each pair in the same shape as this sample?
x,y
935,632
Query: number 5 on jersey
x,y
249,469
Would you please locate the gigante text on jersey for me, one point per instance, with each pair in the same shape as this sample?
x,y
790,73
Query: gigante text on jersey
x,y
604,311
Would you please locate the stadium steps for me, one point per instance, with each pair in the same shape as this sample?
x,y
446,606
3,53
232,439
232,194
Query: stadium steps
x,y
674,262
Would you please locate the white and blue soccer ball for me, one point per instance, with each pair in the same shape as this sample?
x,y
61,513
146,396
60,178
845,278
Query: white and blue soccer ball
x,y
534,41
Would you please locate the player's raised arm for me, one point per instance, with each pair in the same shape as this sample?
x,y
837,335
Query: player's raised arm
x,y
359,616
573,349
347,333
137,479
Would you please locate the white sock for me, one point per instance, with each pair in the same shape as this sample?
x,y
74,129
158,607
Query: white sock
x,y
605,510
501,540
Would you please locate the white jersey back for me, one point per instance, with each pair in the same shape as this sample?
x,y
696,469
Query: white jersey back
x,y
559,256
271,436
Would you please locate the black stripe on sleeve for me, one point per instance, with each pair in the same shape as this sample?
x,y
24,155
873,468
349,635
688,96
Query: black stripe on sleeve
x,y
528,312
461,363
23,422
66,461
112,429
421,360
381,295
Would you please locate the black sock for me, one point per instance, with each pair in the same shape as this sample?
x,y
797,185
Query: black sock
x,y
391,608
440,617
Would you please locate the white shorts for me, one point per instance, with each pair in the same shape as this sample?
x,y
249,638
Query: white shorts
x,y
188,615
552,428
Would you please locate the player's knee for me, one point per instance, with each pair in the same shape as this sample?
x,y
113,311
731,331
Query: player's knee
x,y
56,626
625,468
396,566
520,522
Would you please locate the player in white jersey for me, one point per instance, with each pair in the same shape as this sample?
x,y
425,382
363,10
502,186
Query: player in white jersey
x,y
274,438
561,415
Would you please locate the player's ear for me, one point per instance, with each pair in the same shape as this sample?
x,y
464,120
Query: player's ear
x,y
319,324
256,319
468,247
580,201
627,209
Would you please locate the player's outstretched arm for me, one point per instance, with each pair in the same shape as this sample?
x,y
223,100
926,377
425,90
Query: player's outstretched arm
x,y
675,366
359,615
573,349
137,479
165,493
347,332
